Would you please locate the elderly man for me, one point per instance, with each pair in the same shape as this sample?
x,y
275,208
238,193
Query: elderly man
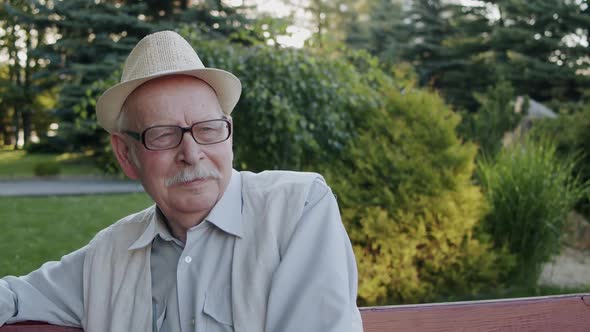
x,y
220,250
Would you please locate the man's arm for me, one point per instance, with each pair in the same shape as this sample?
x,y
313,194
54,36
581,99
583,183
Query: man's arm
x,y
315,285
52,294
7,302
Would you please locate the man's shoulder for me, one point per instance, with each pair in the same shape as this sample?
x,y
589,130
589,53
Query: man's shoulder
x,y
274,202
269,181
128,226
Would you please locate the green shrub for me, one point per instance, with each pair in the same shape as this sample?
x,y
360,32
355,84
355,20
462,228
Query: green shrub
x,y
531,190
296,108
571,134
409,205
493,119
55,144
49,168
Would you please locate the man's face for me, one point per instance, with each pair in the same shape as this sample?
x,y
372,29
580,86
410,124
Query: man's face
x,y
181,101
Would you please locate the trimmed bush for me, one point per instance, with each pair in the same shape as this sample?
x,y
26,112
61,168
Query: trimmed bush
x,y
409,205
51,168
531,190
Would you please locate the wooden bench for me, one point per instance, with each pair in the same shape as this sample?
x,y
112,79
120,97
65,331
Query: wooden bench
x,y
567,313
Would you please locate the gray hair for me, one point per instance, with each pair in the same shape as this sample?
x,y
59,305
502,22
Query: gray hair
x,y
121,125
121,122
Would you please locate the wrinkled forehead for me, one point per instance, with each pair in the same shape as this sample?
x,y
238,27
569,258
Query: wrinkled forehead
x,y
173,99
165,85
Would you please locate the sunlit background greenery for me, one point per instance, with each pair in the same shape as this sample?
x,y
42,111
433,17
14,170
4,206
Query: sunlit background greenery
x,y
454,133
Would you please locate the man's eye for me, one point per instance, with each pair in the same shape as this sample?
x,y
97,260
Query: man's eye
x,y
161,135
164,135
208,129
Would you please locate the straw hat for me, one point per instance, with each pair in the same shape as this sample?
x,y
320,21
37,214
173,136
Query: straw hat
x,y
159,54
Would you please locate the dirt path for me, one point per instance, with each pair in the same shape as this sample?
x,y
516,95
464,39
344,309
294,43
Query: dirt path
x,y
570,269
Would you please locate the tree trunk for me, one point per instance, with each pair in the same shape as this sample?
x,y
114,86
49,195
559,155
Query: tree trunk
x,y
27,112
16,126
26,123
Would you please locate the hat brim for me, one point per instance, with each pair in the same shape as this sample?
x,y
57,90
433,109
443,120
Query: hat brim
x,y
226,85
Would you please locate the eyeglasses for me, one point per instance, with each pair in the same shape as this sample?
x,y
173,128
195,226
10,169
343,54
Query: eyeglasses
x,y
168,137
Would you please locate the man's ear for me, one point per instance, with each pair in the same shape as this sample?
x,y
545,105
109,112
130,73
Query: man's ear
x,y
123,154
231,135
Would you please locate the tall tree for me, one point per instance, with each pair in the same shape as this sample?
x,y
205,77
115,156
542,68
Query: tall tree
x,y
329,19
238,24
19,84
94,37
384,20
540,47
426,27
92,40
470,69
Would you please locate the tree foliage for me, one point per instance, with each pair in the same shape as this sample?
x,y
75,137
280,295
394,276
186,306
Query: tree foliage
x,y
494,118
422,40
536,45
539,47
70,45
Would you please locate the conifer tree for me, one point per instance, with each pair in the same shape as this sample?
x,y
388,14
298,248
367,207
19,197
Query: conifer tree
x,y
385,19
427,25
95,38
538,46
542,44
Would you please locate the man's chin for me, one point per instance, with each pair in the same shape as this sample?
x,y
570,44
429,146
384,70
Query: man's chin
x,y
197,205
195,193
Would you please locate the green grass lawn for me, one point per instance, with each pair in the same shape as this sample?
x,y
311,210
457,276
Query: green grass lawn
x,y
37,230
18,163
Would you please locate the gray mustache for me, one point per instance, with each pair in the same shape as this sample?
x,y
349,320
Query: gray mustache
x,y
193,173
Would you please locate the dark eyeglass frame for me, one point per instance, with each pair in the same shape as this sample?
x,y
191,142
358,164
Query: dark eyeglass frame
x,y
141,136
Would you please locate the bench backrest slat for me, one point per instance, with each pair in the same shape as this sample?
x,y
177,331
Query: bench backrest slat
x,y
551,313
37,327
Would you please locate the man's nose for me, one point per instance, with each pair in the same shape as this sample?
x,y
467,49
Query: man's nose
x,y
190,151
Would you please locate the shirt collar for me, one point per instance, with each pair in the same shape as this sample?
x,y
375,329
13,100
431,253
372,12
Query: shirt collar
x,y
156,226
226,215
